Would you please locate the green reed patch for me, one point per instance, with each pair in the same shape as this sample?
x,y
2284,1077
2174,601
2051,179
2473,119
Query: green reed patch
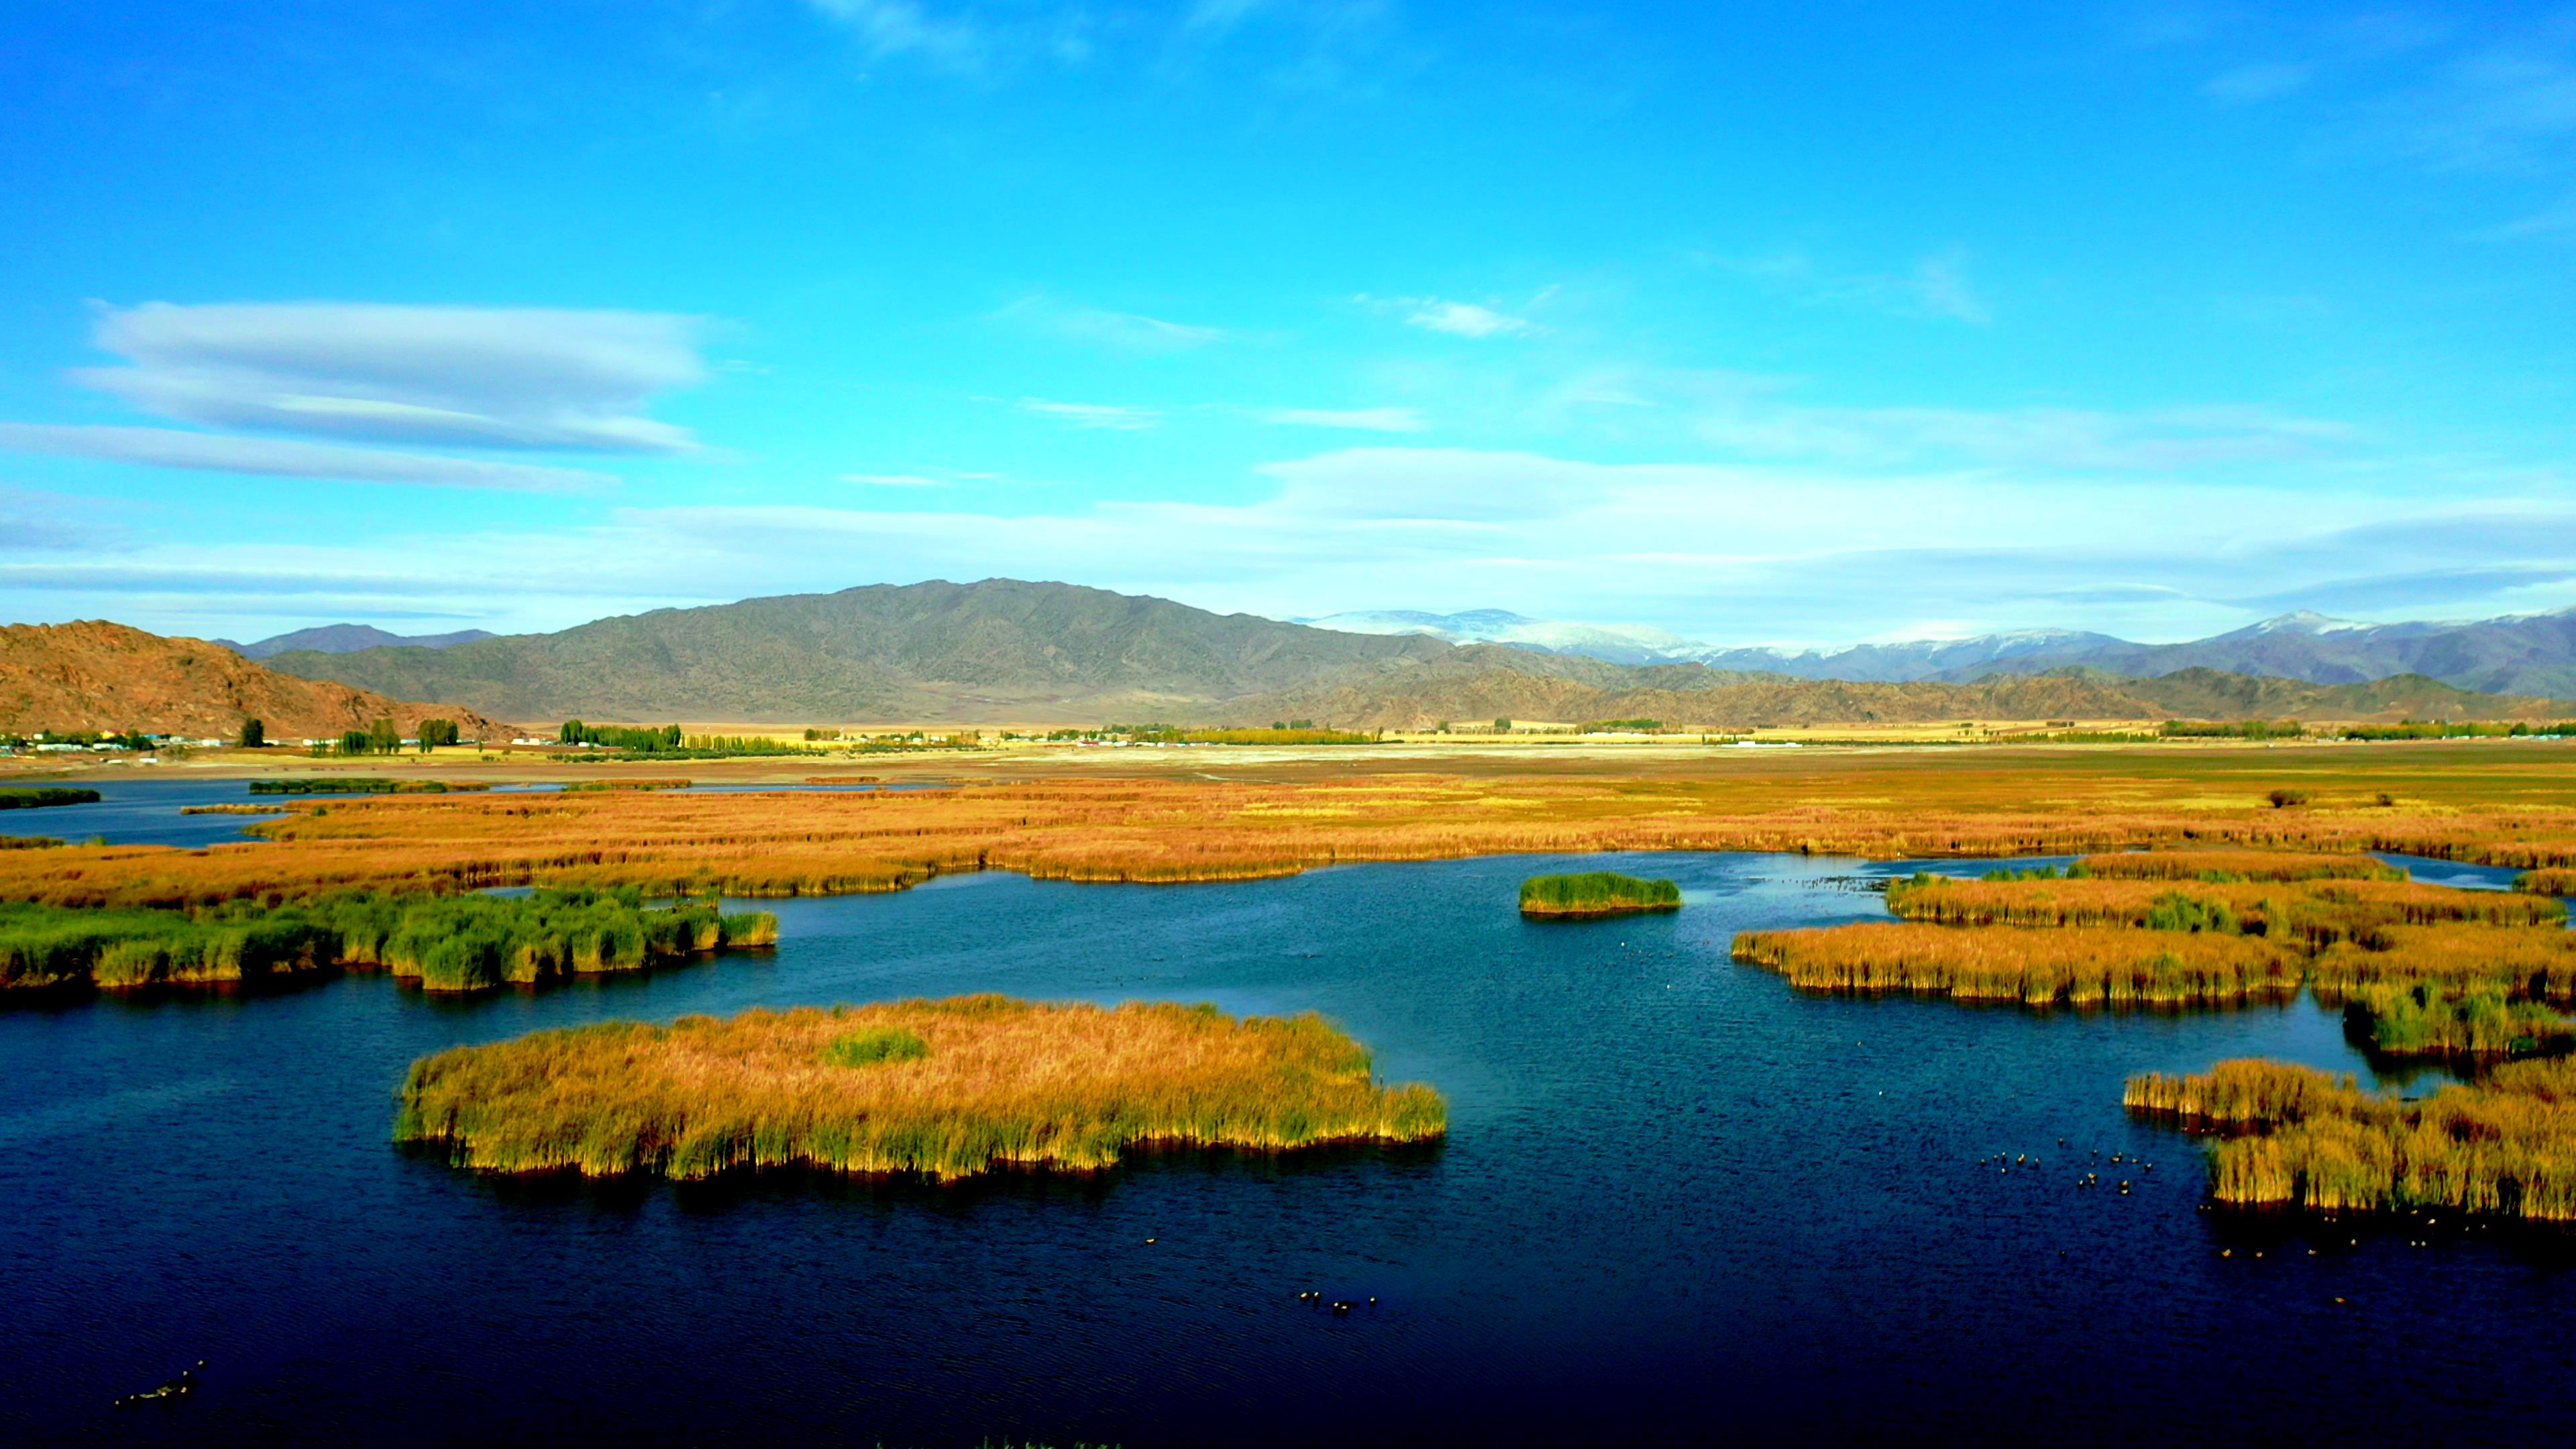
x,y
443,942
1596,893
36,797
874,1045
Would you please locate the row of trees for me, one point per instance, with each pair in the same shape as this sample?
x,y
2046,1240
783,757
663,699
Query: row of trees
x,y
646,741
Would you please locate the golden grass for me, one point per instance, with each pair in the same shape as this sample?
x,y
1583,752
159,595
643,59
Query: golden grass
x,y
2488,804
2538,963
2082,966
2506,1146
2322,910
2242,865
996,1082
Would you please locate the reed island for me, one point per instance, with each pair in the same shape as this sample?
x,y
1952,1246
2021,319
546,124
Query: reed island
x,y
941,1089
462,942
1596,893
2284,1136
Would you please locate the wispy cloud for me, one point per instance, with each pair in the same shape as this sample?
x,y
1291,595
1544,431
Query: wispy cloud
x,y
1120,331
906,27
894,480
1375,420
457,376
2558,220
294,458
1464,319
1093,415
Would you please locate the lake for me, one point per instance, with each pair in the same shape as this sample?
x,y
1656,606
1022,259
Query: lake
x,y
1677,1201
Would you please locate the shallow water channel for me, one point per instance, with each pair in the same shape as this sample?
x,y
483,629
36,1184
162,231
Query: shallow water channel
x,y
1677,1200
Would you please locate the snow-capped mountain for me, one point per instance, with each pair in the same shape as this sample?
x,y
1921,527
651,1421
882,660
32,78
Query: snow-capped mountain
x,y
2520,654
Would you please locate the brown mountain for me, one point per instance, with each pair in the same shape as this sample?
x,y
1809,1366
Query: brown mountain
x,y
1487,681
996,651
94,675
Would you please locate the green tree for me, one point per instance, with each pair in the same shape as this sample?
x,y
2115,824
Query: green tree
x,y
254,735
355,742
436,732
383,738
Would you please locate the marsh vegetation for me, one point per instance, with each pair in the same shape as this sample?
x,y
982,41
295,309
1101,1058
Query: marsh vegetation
x,y
1597,893
2289,1137
943,1089
443,943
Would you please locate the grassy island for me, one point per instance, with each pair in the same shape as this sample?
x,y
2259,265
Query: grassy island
x,y
363,785
443,943
2076,966
35,797
2421,970
944,1089
1596,893
2291,1137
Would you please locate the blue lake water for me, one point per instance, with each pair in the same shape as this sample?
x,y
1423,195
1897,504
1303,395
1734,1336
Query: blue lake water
x,y
1678,1201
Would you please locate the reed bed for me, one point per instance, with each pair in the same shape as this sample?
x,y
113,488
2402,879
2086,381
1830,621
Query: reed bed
x,y
2505,1146
2534,963
2426,1020
2463,805
2553,881
2225,866
1596,893
577,787
364,785
2081,966
37,797
997,1083
443,943
2321,910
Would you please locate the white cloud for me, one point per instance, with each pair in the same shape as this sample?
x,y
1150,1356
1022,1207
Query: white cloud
x,y
1465,319
292,458
1093,415
894,480
1375,420
1941,288
460,376
904,27
1122,331
1727,553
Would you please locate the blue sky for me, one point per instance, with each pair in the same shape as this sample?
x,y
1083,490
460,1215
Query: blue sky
x,y
1782,323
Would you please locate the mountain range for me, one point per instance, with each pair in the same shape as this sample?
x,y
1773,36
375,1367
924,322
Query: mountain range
x,y
1000,650
1006,651
2520,654
346,639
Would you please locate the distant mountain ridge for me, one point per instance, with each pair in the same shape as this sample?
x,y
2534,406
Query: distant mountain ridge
x,y
1480,682
1006,651
346,639
997,651
2529,654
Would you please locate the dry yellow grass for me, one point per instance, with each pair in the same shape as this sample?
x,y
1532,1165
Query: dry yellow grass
x,y
2505,1146
2318,910
940,1088
2081,966
2498,807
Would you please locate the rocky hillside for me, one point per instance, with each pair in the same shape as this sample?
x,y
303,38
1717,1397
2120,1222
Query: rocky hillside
x,y
95,675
